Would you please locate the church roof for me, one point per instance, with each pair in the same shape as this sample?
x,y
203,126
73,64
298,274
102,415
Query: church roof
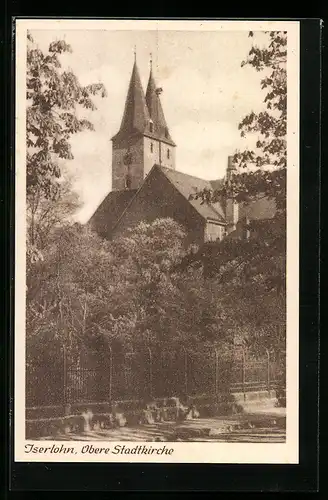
x,y
160,128
187,185
143,114
136,115
110,210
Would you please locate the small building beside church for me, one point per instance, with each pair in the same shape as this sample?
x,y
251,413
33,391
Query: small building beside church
x,y
146,184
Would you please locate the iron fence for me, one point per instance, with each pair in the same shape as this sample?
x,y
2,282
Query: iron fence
x,y
146,372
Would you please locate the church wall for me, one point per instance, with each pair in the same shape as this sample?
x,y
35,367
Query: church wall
x,y
152,154
145,153
120,170
158,198
214,231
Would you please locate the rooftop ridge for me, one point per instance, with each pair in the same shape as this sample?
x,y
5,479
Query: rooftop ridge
x,y
153,101
183,173
194,202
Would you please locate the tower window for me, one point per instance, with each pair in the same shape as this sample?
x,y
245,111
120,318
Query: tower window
x,y
151,147
151,127
168,154
127,160
166,133
128,182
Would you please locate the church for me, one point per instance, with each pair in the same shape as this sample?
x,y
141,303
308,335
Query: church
x,y
146,185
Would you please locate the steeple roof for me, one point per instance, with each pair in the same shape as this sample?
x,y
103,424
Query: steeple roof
x,y
136,116
160,128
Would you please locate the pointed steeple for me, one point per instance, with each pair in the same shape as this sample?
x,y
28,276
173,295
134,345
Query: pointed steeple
x,y
160,128
136,116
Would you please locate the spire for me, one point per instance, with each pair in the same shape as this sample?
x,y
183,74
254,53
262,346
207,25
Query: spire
x,y
136,116
153,101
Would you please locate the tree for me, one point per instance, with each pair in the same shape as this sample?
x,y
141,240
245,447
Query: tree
x,y
72,269
248,279
141,291
53,99
271,125
269,179
125,291
270,154
88,294
253,271
44,214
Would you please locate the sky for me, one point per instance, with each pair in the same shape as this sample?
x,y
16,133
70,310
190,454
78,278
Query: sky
x,y
205,95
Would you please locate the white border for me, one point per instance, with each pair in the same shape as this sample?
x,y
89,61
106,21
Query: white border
x,y
183,452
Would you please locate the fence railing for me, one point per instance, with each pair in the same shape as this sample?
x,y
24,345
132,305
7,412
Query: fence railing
x,y
146,372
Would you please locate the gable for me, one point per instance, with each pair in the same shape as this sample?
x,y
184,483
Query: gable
x,y
110,210
158,198
189,185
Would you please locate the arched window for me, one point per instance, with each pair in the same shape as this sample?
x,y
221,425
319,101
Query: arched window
x,y
151,127
151,147
168,154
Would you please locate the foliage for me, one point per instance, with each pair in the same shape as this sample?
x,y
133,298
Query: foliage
x,y
133,289
144,286
253,270
96,291
58,287
270,155
241,260
44,215
54,99
248,276
271,124
262,257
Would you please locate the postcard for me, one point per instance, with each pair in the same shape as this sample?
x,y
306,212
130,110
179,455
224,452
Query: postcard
x,y
156,241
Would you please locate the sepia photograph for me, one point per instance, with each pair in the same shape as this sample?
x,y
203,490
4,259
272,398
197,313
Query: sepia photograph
x,y
156,184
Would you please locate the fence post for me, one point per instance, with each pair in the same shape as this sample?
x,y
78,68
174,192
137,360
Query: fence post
x,y
67,406
150,373
64,374
185,370
268,370
244,373
110,373
216,372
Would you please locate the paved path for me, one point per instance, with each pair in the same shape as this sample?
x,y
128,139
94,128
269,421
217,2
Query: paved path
x,y
250,428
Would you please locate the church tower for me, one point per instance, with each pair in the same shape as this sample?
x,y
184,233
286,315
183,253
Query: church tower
x,y
143,139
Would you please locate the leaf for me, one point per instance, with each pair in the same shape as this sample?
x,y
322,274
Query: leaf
x,y
53,97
